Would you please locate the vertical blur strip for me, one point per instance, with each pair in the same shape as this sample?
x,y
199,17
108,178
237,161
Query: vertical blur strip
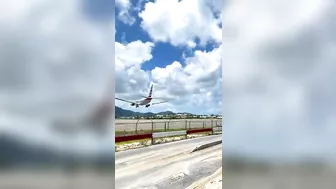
x,y
56,94
279,90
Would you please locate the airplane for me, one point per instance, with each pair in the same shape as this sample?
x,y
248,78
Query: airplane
x,y
143,102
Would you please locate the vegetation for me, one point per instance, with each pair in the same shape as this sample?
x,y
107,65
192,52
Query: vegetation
x,y
127,114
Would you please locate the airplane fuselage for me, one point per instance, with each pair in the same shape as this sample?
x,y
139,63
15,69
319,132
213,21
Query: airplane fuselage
x,y
143,102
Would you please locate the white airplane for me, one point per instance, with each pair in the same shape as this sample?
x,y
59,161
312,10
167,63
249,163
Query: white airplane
x,y
144,102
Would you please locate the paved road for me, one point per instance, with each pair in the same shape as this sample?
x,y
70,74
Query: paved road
x,y
168,165
56,179
275,178
214,181
130,124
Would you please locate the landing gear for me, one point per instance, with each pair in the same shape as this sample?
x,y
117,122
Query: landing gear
x,y
137,106
147,105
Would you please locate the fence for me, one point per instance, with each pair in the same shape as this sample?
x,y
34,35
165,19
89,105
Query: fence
x,y
156,129
131,127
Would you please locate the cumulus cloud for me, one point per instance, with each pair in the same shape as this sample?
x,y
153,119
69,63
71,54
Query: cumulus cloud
x,y
54,61
277,84
194,86
201,71
125,8
129,75
132,54
182,22
194,83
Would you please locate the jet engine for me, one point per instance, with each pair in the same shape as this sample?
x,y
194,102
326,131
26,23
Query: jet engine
x,y
132,104
147,105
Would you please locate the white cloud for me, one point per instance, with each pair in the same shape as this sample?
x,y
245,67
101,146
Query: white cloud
x,y
200,74
53,58
181,22
195,87
56,63
139,5
132,54
277,57
124,15
128,60
194,84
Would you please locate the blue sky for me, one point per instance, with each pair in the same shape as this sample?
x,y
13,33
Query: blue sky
x,y
267,103
161,58
133,23
277,99
128,33
163,53
99,10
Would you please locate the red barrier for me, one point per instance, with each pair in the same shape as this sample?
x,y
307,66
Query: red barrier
x,y
132,137
150,135
199,130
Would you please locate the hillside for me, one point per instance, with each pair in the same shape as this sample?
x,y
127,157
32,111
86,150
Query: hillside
x,y
119,112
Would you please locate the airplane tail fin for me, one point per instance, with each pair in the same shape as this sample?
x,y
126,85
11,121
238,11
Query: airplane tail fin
x,y
151,91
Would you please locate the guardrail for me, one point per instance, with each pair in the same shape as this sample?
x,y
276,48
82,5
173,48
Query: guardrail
x,y
131,127
154,133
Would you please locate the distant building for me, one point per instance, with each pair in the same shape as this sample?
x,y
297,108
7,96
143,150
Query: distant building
x,y
183,116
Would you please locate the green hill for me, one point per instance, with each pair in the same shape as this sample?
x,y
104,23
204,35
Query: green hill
x,y
119,112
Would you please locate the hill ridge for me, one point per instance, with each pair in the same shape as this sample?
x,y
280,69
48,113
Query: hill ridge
x,y
120,112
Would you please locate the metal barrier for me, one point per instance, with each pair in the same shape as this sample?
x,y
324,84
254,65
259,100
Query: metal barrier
x,y
155,135
143,126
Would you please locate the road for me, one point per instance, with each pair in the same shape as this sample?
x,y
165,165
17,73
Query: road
x,y
168,165
286,178
130,124
214,181
56,179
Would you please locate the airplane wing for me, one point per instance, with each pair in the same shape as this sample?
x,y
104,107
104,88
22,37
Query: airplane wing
x,y
159,102
125,100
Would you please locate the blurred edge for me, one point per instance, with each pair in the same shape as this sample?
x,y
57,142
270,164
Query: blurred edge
x,y
279,94
57,94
